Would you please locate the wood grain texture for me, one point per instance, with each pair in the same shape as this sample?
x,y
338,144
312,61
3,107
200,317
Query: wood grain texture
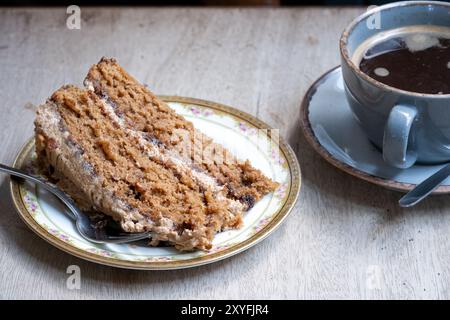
x,y
346,239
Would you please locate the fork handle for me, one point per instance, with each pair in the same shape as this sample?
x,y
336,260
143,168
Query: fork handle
x,y
46,184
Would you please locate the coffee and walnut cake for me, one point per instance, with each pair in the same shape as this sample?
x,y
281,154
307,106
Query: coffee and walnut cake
x,y
114,147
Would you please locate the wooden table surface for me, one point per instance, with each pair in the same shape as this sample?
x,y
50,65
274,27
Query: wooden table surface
x,y
345,238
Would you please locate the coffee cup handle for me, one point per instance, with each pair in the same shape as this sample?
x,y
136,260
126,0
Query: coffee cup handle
x,y
397,134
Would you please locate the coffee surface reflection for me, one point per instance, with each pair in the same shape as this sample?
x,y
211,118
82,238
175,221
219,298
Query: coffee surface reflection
x,y
417,61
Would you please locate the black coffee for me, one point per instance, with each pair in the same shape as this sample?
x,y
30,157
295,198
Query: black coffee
x,y
418,62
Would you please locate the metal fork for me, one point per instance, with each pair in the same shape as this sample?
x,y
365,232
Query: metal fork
x,y
84,225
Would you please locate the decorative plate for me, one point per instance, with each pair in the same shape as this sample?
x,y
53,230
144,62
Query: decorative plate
x,y
236,130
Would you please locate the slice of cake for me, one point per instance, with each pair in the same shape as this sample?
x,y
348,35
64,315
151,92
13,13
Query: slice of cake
x,y
116,148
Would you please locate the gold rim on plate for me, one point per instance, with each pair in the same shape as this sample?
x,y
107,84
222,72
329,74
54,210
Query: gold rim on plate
x,y
294,189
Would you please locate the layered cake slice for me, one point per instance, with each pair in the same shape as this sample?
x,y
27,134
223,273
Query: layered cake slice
x,y
116,148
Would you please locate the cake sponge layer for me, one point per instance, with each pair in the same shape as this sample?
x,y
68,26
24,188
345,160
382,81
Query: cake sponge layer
x,y
142,111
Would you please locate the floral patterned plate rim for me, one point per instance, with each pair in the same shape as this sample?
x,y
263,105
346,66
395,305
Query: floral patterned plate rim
x,y
236,130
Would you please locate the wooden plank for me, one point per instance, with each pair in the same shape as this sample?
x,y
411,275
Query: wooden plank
x,y
343,233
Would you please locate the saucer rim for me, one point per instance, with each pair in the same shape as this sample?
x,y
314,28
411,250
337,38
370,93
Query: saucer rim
x,y
311,138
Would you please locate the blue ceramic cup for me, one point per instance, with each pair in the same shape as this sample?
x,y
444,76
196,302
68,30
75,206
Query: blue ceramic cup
x,y
409,127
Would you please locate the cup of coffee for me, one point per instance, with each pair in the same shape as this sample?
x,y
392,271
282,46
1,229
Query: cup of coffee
x,y
396,70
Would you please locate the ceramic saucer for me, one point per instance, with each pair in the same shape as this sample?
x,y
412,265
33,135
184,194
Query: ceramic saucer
x,y
331,129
